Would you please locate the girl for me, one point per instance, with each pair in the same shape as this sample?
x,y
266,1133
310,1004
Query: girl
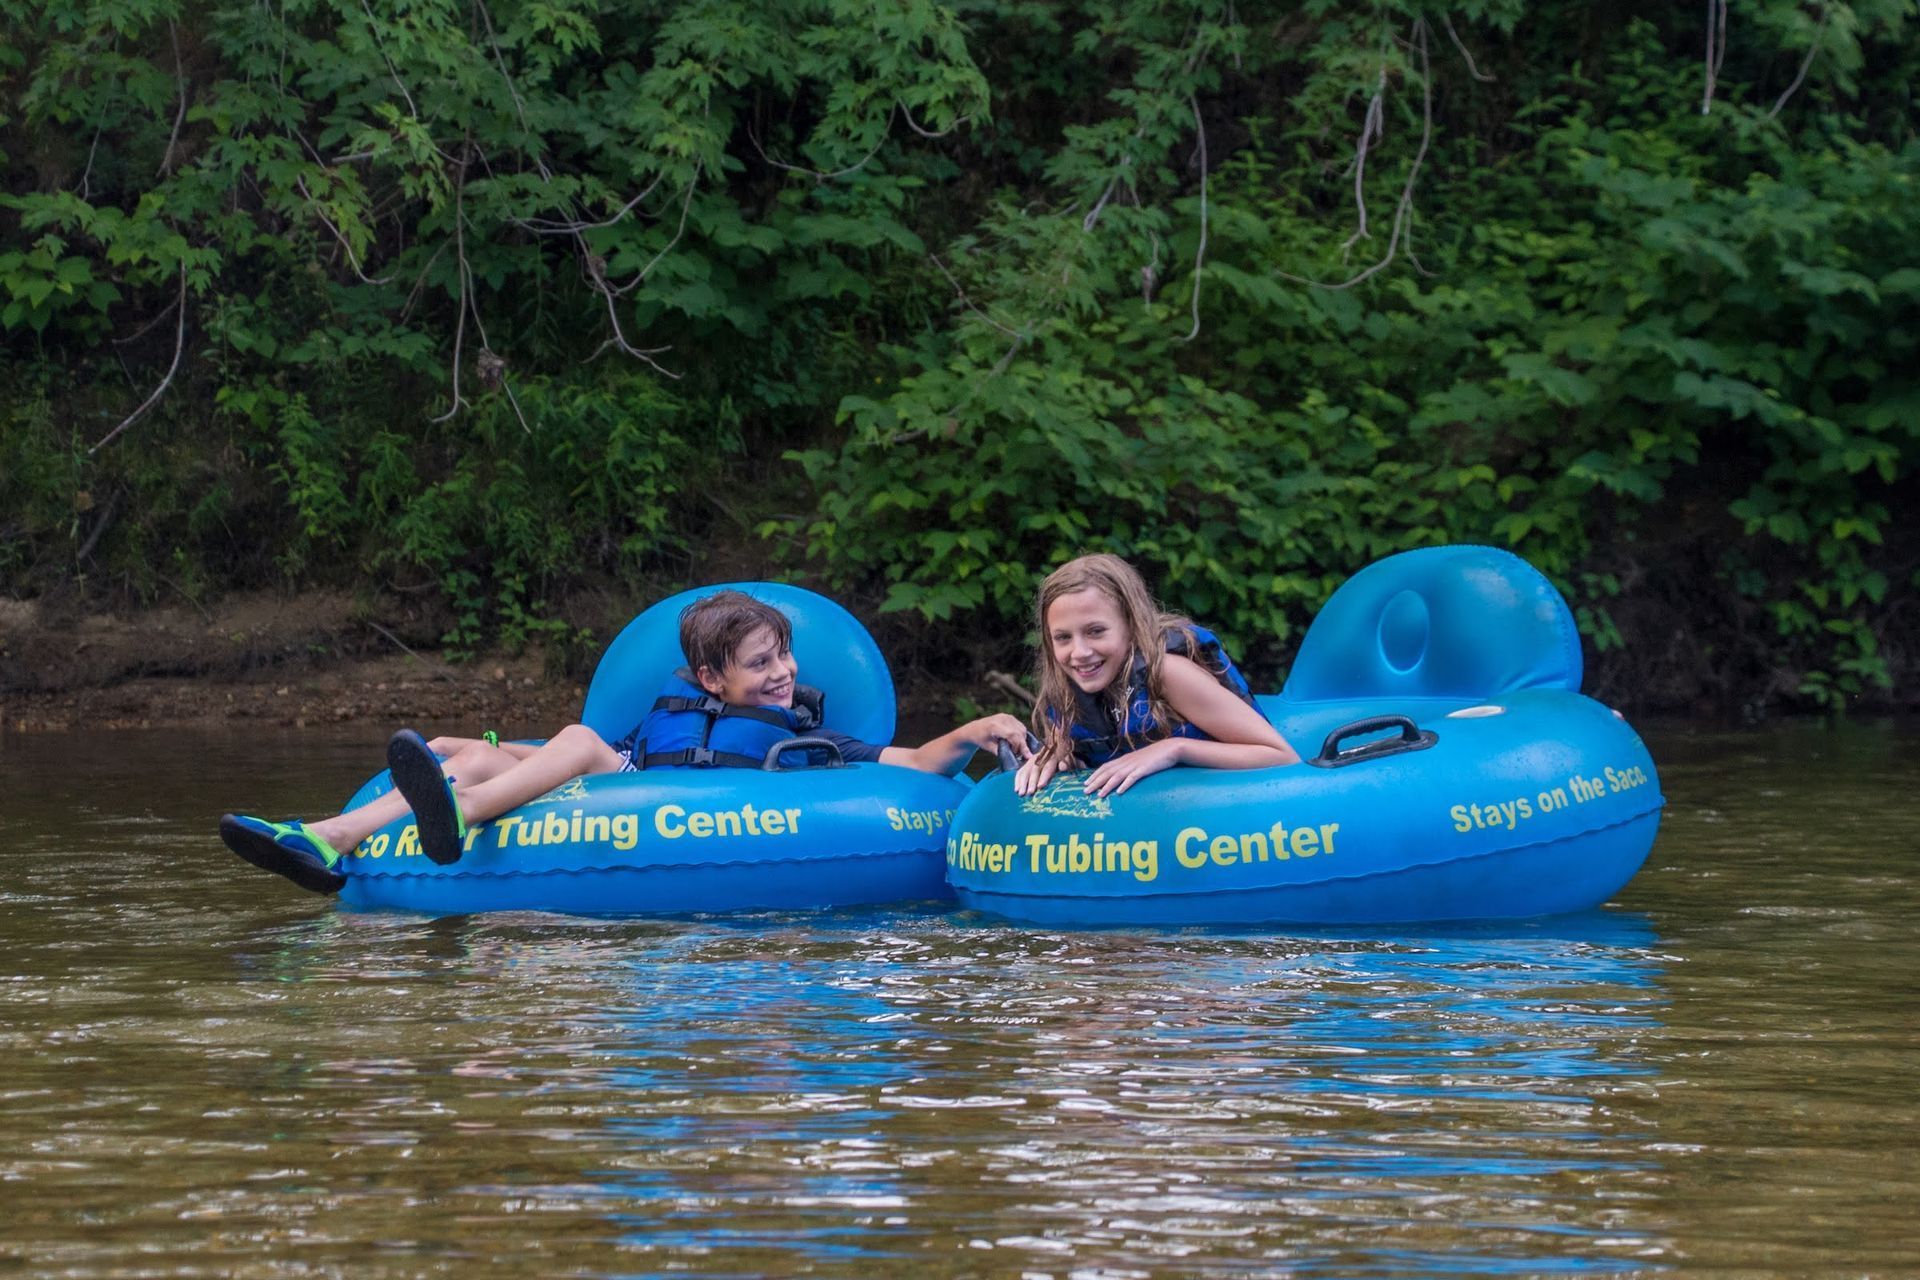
x,y
1129,690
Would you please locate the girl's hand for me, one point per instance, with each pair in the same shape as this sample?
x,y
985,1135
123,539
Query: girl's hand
x,y
1036,773
1116,775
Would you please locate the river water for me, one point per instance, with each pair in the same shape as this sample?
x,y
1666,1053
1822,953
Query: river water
x,y
209,1072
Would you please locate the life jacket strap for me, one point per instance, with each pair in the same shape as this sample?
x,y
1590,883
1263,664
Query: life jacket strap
x,y
700,757
708,705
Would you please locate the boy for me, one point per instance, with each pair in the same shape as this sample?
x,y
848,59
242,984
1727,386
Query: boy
x,y
737,697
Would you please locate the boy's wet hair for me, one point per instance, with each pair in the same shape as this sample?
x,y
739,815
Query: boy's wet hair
x,y
713,628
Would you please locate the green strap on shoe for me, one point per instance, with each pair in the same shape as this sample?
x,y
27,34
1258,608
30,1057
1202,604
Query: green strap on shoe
x,y
301,831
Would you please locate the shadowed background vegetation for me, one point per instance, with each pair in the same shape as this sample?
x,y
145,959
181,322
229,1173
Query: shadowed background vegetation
x,y
520,312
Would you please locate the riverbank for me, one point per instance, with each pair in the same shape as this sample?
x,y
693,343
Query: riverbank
x,y
287,662
317,658
296,662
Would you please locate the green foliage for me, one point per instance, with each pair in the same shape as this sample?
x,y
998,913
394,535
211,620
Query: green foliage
x,y
489,299
1633,308
476,292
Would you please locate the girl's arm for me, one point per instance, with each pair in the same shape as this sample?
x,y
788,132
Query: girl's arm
x,y
1200,700
1242,737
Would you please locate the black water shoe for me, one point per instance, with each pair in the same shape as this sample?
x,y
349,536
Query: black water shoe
x,y
429,792
287,849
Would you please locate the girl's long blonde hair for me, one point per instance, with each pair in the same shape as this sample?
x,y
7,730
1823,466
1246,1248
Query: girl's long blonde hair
x,y
1148,626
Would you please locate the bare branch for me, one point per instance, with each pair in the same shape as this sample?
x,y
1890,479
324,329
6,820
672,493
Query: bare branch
x,y
86,174
929,133
967,302
500,61
816,174
999,368
506,385
1826,11
520,111
339,235
618,342
1008,685
100,526
1458,44
693,184
180,74
146,328
179,345
466,280
1092,219
441,669
321,160
1088,223
549,227
373,34
488,365
1371,129
1403,211
1200,254
1716,50
419,283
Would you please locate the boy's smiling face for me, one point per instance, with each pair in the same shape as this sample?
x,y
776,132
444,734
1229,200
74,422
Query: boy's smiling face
x,y
760,673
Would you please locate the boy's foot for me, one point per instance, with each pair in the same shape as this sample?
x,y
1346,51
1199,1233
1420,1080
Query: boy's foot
x,y
288,849
417,775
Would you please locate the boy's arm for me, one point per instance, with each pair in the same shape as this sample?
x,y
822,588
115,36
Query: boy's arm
x,y
950,752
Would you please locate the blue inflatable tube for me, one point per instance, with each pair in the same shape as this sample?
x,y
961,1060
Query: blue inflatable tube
x,y
678,841
1456,774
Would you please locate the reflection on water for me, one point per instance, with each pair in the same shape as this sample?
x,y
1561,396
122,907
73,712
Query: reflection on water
x,y
1145,1100
210,1072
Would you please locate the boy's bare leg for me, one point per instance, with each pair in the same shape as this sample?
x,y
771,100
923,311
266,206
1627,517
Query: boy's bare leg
x,y
447,746
474,762
574,751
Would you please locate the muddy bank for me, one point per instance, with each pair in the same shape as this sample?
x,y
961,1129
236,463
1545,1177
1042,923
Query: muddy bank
x,y
287,662
316,658
302,661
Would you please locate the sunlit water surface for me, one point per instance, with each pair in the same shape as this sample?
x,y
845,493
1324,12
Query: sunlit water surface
x,y
209,1072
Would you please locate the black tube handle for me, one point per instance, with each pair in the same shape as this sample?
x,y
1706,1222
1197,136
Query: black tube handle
x,y
774,752
1412,738
1010,763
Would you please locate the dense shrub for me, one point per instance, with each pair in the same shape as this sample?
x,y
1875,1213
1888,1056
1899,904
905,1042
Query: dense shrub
x,y
496,299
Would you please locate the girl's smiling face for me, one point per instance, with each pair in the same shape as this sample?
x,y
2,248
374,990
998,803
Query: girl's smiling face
x,y
760,674
1087,636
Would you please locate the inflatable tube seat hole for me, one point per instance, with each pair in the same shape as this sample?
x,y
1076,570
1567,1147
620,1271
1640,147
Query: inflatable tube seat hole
x,y
1405,625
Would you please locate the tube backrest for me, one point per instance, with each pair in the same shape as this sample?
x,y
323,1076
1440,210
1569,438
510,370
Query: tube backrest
x,y
1440,622
834,652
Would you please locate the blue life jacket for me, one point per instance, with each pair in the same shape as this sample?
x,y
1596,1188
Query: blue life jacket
x,y
1100,730
690,728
